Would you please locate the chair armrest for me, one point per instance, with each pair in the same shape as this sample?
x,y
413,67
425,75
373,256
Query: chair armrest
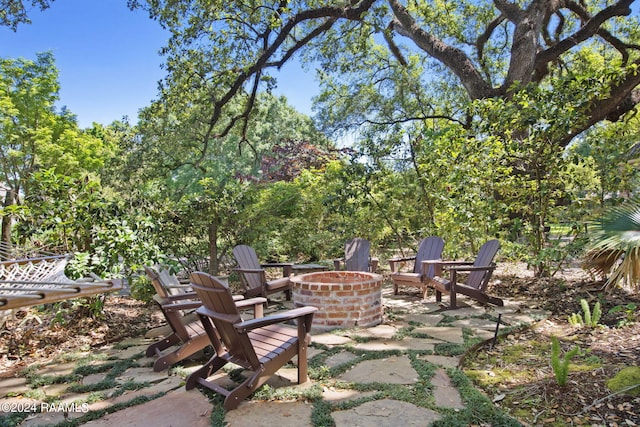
x,y
179,297
428,264
447,264
373,264
287,267
472,268
406,258
276,264
439,265
186,305
256,303
182,285
248,270
394,261
275,318
204,311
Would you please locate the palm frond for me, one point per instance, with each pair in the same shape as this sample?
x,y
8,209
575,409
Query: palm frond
x,y
615,245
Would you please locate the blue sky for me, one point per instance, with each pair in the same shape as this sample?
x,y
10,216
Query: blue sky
x,y
108,61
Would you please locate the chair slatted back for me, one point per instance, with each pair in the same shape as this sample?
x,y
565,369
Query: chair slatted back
x,y
246,257
164,283
154,275
216,296
357,254
430,248
486,254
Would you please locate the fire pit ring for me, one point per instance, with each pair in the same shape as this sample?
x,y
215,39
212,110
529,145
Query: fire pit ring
x,y
344,299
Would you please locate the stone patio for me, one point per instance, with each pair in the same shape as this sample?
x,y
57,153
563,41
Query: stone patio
x,y
116,385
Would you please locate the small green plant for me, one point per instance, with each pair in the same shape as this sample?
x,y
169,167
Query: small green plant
x,y
560,364
629,314
588,318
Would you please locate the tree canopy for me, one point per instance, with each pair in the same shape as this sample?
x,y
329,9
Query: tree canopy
x,y
14,12
486,49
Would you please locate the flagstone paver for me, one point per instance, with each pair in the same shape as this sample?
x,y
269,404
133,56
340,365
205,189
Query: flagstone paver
x,y
329,339
392,370
13,385
287,377
339,359
450,334
385,412
141,375
186,408
128,353
338,396
425,319
49,418
93,379
484,334
169,384
445,361
444,393
380,331
418,344
259,413
469,311
475,323
54,390
57,369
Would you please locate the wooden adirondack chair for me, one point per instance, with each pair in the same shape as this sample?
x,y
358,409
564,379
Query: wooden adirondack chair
x,y
260,345
430,248
178,303
254,277
480,272
357,256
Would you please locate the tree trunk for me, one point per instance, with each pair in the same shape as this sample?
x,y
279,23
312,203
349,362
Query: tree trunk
x,y
213,249
7,221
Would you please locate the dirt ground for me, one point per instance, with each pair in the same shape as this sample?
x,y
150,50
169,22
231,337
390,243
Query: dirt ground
x,y
523,383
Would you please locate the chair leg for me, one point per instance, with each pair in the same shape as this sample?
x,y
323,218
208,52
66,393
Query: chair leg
x,y
192,346
163,344
213,365
243,390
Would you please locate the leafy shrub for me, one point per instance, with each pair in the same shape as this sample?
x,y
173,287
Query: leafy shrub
x,y
141,288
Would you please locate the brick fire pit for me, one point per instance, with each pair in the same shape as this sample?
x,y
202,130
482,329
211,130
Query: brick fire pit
x,y
344,298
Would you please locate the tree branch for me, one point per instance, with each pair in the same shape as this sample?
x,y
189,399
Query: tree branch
x,y
623,98
455,59
590,28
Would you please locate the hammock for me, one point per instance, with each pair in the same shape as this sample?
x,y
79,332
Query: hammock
x,y
38,278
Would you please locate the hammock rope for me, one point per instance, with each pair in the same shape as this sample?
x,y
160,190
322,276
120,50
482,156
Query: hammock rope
x,y
40,279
